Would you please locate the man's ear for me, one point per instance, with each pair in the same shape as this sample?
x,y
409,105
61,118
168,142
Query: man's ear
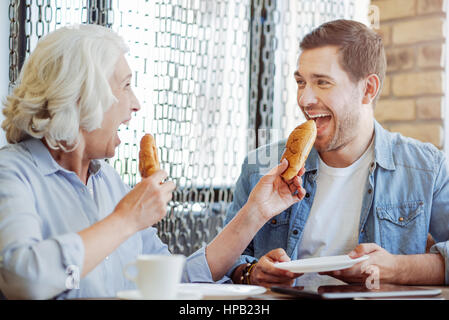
x,y
372,87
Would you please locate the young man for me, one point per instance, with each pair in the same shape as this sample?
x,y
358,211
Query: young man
x,y
369,191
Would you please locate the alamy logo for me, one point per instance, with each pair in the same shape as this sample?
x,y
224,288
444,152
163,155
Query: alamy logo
x,y
73,277
374,17
268,157
373,280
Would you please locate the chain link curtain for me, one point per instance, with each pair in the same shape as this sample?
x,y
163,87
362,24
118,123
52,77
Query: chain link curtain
x,y
214,80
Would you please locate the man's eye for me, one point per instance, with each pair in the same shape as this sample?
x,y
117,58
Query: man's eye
x,y
323,83
301,83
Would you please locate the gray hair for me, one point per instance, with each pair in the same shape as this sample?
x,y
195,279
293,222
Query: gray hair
x,y
63,86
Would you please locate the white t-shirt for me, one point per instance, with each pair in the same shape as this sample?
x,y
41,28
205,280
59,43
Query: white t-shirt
x,y
333,223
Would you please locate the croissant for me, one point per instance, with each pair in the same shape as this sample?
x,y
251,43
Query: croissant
x,y
148,161
297,149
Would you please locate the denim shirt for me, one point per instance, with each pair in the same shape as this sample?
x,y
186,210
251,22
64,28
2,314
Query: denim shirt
x,y
406,197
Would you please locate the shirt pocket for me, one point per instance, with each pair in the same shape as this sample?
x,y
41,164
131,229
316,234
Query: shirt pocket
x,y
280,220
273,235
403,227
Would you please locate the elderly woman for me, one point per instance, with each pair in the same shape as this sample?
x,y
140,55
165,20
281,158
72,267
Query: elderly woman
x,y
63,209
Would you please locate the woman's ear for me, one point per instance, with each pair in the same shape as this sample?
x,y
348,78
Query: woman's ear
x,y
372,87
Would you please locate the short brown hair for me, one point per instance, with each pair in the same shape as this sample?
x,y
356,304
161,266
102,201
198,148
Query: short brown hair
x,y
362,50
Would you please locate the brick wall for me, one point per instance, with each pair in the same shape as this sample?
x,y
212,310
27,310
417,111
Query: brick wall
x,y
412,100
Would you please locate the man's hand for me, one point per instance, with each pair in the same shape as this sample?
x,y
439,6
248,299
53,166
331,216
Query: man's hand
x,y
272,194
266,274
412,269
380,264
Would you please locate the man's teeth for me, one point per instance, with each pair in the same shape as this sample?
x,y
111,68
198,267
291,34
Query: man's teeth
x,y
318,116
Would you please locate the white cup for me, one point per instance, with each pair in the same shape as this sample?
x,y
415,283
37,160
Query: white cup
x,y
158,276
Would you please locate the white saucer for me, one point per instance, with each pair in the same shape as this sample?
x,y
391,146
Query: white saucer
x,y
214,291
135,295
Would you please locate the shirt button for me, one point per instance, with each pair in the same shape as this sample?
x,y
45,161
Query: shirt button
x,y
401,219
107,257
295,232
370,191
273,221
307,195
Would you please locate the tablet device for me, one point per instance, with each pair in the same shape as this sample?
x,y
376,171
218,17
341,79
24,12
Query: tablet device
x,y
357,291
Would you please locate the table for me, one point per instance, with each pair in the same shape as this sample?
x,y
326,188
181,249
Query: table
x,y
270,295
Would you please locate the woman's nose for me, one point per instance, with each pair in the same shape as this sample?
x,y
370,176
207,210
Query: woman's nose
x,y
135,105
136,108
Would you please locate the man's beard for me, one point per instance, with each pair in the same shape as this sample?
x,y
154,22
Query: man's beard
x,y
344,132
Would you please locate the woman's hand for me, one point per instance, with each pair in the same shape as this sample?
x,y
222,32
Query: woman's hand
x,y
272,194
146,203
142,207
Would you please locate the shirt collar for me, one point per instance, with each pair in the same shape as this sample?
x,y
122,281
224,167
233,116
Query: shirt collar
x,y
45,162
313,161
383,151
